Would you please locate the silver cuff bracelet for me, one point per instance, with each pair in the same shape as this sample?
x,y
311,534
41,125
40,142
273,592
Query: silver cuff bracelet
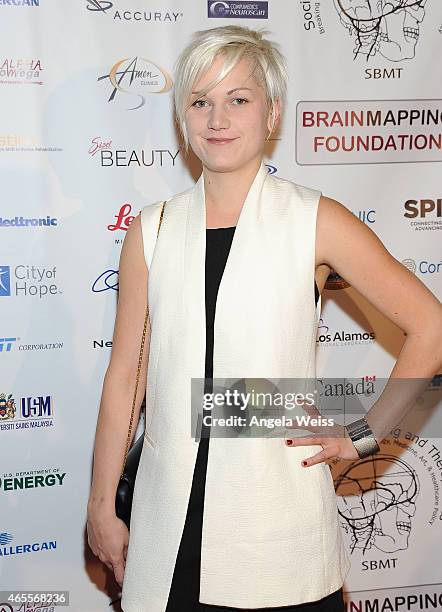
x,y
362,437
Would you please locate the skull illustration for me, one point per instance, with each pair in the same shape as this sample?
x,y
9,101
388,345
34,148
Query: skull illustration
x,y
388,27
377,499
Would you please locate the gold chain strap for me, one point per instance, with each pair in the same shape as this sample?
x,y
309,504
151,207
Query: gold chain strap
x,y
140,359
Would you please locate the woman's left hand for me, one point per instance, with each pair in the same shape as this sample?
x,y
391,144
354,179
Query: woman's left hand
x,y
334,440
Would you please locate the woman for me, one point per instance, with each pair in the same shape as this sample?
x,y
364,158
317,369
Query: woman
x,y
270,537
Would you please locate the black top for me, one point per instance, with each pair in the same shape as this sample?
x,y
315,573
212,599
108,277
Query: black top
x,y
184,592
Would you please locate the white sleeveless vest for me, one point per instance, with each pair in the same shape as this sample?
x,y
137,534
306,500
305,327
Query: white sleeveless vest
x,y
271,535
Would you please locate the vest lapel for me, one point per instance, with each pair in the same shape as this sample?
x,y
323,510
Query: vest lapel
x,y
195,254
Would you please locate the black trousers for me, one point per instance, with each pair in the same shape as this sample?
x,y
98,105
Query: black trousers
x,y
331,603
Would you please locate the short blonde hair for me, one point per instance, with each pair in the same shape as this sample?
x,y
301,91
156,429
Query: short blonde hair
x,y
234,42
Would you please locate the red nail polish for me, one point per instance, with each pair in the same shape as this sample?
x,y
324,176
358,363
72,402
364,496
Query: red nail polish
x,y
304,463
288,442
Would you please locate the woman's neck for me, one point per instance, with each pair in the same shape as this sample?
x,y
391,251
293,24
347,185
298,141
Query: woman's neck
x,y
225,193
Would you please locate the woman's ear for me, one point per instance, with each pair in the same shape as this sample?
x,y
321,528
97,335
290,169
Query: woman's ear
x,y
274,115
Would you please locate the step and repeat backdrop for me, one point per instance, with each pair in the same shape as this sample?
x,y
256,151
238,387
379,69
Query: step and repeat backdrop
x,y
87,139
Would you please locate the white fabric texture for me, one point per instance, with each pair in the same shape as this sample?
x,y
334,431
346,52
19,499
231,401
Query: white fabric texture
x,y
271,535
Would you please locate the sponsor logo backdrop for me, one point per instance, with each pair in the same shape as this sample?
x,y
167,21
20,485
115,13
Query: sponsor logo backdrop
x,y
87,139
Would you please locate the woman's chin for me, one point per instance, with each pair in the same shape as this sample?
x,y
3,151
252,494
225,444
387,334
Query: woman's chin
x,y
219,165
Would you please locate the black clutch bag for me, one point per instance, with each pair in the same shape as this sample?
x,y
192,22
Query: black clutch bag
x,y
125,489
126,484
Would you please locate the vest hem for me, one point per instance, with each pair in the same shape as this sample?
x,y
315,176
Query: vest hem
x,y
250,604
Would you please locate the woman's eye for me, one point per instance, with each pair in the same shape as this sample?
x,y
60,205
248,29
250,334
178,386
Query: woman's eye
x,y
203,102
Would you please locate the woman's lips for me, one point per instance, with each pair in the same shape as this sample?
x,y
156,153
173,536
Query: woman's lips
x,y
220,141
